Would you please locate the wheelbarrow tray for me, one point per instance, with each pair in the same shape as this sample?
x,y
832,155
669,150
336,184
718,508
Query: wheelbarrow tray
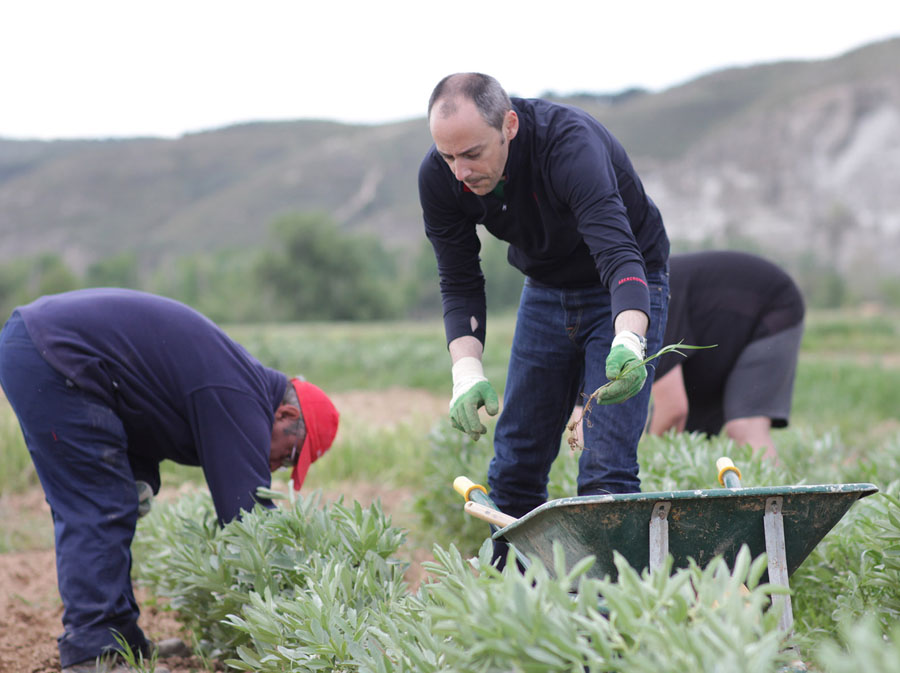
x,y
701,524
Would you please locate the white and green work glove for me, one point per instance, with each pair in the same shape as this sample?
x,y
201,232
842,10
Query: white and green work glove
x,y
471,391
145,497
624,368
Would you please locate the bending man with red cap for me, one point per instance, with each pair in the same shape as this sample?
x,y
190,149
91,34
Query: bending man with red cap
x,y
107,383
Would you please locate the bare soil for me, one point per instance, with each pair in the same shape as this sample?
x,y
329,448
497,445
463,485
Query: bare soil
x,y
30,607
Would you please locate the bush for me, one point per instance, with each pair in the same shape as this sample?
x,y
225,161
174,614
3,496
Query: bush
x,y
220,579
314,272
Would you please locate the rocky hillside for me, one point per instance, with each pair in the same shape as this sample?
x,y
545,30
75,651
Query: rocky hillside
x,y
794,158
810,164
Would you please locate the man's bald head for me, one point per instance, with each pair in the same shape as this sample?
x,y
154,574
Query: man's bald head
x,y
484,91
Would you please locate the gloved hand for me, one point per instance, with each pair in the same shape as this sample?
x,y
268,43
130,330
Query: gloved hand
x,y
145,497
624,368
471,391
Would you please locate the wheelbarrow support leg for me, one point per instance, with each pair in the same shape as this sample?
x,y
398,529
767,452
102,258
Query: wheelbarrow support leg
x,y
659,534
773,523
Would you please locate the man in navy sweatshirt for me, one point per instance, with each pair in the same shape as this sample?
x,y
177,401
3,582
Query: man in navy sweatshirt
x,y
107,383
560,189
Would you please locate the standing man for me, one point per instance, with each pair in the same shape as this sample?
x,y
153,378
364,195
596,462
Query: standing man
x,y
107,383
560,189
753,312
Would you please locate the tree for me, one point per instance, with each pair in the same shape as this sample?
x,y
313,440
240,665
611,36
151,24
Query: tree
x,y
220,284
313,271
423,289
14,285
50,275
116,271
503,282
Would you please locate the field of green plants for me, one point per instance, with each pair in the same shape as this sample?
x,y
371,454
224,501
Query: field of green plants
x,y
318,584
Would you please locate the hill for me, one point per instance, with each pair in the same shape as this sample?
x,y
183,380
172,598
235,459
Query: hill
x,y
792,158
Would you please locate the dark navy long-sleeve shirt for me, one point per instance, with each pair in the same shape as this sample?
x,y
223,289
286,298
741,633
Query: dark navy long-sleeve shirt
x,y
573,210
183,389
727,298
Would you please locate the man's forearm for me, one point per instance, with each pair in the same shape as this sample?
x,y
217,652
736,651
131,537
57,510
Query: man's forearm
x,y
633,321
466,346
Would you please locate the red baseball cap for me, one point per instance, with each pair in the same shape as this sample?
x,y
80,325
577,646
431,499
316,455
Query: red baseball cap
x,y
321,420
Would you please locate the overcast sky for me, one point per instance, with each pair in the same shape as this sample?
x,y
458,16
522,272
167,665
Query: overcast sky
x,y
112,68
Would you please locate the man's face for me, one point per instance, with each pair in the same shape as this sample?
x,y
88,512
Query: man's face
x,y
284,440
475,152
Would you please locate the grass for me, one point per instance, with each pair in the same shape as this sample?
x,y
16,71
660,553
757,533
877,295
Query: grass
x,y
370,356
297,601
388,455
847,386
844,428
851,334
844,398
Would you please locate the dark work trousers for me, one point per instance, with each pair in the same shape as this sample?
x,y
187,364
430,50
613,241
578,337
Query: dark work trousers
x,y
79,450
559,350
560,346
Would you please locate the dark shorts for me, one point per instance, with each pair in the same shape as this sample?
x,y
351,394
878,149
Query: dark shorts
x,y
762,381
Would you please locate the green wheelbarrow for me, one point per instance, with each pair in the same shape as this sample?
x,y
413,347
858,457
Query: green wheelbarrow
x,y
785,522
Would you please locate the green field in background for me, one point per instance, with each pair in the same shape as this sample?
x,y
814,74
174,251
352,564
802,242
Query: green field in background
x,y
847,383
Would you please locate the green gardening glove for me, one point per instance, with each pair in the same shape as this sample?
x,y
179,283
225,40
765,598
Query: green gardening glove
x,y
624,369
471,391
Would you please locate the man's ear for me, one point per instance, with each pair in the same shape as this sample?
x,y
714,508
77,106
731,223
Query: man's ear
x,y
290,412
510,125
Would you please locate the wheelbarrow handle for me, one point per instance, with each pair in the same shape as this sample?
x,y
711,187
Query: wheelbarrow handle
x,y
729,475
489,514
464,486
473,492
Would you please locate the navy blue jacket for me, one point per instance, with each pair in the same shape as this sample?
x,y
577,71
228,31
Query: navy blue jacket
x,y
182,388
573,210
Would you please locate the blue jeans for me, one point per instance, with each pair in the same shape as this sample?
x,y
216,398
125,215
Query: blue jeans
x,y
79,449
561,341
